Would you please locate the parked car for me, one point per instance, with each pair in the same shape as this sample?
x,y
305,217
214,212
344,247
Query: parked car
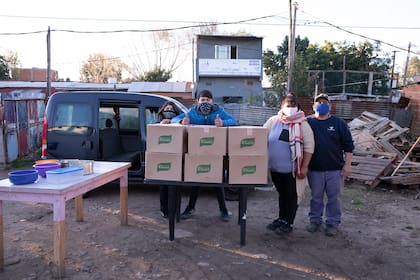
x,y
101,125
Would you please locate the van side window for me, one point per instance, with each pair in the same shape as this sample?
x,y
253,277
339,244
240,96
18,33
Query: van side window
x,y
151,115
129,118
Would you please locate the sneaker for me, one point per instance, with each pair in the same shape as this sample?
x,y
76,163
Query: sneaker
x,y
188,213
275,224
164,214
313,227
225,216
331,230
284,228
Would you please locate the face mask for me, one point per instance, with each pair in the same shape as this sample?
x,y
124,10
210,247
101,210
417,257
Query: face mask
x,y
205,107
322,109
289,111
168,114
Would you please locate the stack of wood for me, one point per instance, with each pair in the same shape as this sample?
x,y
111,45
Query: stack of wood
x,y
408,173
376,155
374,133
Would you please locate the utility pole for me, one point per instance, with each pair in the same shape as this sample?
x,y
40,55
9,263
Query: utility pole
x,y
406,65
292,17
48,63
392,71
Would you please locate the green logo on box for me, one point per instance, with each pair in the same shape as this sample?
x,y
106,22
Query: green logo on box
x,y
250,169
248,142
203,168
165,139
163,166
206,141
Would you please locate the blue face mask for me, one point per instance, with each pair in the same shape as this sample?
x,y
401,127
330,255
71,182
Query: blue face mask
x,y
322,109
168,114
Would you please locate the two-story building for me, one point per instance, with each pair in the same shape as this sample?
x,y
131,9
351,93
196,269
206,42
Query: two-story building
x,y
230,67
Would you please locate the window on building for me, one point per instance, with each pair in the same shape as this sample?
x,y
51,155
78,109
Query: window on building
x,y
226,52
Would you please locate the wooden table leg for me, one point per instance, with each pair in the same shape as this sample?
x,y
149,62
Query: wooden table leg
x,y
1,238
59,236
78,200
124,199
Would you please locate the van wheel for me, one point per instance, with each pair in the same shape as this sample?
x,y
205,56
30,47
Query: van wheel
x,y
232,193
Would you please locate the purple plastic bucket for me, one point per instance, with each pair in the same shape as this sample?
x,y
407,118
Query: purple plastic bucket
x,y
44,167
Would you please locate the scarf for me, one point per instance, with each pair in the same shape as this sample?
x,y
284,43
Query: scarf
x,y
295,137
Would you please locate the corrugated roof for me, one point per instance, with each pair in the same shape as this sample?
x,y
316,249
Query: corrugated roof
x,y
62,85
181,87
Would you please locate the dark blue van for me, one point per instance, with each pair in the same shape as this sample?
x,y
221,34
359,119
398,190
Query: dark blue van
x,y
101,125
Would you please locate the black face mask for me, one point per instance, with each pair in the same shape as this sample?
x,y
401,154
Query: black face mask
x,y
168,114
205,107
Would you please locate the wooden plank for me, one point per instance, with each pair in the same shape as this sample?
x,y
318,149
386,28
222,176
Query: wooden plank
x,y
59,247
78,202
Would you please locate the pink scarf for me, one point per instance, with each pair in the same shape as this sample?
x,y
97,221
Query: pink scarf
x,y
295,137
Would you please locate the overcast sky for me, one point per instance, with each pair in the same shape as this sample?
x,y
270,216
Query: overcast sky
x,y
395,23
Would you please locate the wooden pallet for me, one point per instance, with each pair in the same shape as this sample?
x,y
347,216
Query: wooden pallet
x,y
369,168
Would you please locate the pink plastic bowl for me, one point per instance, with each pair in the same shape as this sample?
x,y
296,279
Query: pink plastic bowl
x,y
44,167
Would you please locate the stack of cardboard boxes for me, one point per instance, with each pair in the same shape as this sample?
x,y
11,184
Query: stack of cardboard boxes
x,y
165,148
207,150
247,149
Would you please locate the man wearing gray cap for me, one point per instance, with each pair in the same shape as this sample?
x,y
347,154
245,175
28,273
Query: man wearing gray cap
x,y
330,164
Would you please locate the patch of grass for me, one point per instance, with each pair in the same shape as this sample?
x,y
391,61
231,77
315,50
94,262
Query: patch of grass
x,y
356,201
21,163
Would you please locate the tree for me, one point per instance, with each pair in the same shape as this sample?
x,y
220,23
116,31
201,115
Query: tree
x,y
14,63
413,68
99,68
157,75
323,65
167,56
4,69
169,52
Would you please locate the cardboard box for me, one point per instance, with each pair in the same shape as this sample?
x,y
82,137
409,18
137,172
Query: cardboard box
x,y
166,138
203,168
207,139
247,140
163,166
244,169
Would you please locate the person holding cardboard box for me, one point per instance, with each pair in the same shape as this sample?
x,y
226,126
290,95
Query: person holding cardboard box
x,y
206,113
165,114
290,148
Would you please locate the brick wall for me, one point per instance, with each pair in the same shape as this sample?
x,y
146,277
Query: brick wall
x,y
413,92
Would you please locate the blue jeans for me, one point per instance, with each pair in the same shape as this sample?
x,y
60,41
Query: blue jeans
x,y
331,183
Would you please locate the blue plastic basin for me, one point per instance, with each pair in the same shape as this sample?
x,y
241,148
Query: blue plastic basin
x,y
22,177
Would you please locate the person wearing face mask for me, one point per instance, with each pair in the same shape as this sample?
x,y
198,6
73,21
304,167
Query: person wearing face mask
x,y
206,113
290,148
330,164
165,114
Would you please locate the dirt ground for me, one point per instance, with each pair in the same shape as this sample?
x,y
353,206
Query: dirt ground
x,y
378,239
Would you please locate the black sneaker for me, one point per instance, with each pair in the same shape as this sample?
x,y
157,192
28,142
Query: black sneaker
x,y
284,228
225,216
313,227
164,214
330,230
275,224
188,213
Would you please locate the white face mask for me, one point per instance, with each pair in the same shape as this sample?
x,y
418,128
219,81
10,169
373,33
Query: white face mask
x,y
289,111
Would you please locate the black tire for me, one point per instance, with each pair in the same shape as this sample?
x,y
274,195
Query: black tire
x,y
232,193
